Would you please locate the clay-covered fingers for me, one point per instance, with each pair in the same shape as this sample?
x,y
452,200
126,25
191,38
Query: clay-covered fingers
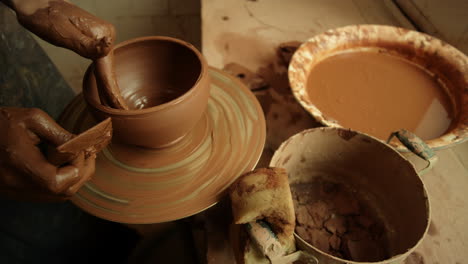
x,y
86,170
32,162
43,126
67,25
97,36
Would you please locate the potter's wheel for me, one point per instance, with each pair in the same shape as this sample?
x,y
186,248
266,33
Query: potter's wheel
x,y
135,185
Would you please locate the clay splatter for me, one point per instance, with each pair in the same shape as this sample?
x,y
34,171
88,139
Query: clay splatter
x,y
286,159
433,231
346,134
414,258
303,159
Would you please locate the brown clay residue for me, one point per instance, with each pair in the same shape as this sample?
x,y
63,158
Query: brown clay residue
x,y
250,48
89,142
433,231
286,159
414,258
303,159
335,220
65,25
346,134
366,140
109,91
241,188
286,50
252,80
271,181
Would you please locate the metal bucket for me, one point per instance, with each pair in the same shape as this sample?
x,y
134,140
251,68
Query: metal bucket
x,y
439,58
373,169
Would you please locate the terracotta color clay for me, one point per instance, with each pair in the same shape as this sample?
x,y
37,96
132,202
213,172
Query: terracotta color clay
x,y
164,82
66,25
335,242
90,142
252,80
184,178
320,238
109,91
445,64
328,222
379,93
26,174
336,225
319,211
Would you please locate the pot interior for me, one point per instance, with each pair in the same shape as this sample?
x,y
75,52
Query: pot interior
x,y
152,71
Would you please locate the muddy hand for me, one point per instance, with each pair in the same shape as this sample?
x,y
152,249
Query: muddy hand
x,y
25,173
66,25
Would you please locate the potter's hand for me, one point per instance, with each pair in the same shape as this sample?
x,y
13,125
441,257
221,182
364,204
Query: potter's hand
x,y
66,25
24,172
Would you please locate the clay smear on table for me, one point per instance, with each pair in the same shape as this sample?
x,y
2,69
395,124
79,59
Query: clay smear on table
x,y
378,93
334,219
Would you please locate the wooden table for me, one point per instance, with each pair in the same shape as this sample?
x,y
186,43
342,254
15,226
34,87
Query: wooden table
x,y
248,32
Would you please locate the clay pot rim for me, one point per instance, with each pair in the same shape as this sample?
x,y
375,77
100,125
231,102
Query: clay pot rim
x,y
300,135
300,65
131,112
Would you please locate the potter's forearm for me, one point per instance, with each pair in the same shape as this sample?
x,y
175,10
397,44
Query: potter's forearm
x,y
65,25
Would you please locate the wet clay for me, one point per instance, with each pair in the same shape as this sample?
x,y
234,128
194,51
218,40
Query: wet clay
x,y
180,179
109,91
145,81
253,81
378,93
90,142
25,171
66,25
331,217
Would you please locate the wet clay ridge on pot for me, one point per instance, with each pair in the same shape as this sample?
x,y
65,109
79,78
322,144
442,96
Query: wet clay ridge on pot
x,y
142,185
165,83
443,61
367,169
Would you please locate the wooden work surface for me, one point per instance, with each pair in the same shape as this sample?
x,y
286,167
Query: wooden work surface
x,y
248,32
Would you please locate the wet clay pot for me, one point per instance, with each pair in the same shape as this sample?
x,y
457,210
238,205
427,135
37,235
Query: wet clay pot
x,y
166,84
445,63
378,173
